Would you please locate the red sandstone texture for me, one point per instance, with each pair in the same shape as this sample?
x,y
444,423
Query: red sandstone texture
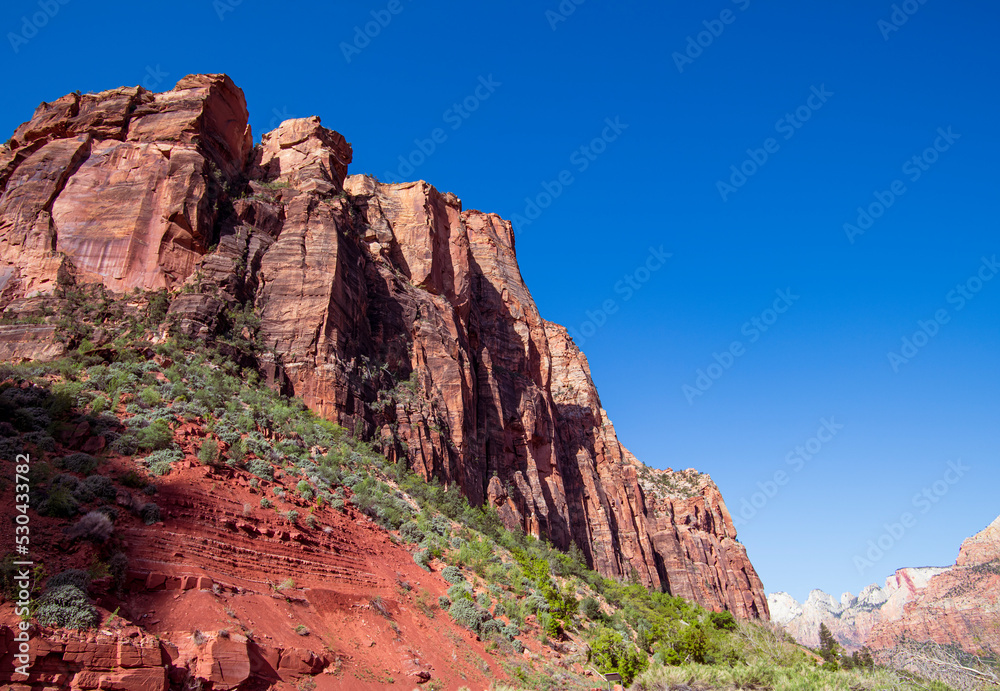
x,y
217,592
960,605
388,308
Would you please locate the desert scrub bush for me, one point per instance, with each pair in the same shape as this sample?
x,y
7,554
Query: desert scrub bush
x,y
468,614
444,602
82,463
266,503
208,452
410,532
66,606
96,487
150,513
304,489
157,436
60,504
453,575
483,599
422,558
95,526
292,516
77,577
460,591
261,469
536,603
591,608
118,568
150,397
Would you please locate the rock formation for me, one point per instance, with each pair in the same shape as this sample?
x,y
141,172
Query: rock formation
x,y
949,605
960,605
852,618
387,307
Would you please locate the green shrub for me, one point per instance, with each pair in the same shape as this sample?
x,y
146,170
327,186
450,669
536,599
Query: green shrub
x,y
150,397
118,568
97,486
423,558
157,436
723,621
208,452
410,532
66,606
60,504
77,577
150,513
610,652
460,591
291,516
591,608
130,478
483,599
444,602
82,463
261,469
468,614
266,503
453,575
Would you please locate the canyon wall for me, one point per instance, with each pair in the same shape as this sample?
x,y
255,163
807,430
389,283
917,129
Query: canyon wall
x,y
387,307
951,605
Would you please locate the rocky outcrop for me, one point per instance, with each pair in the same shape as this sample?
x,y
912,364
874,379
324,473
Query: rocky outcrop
x,y
959,606
387,307
118,187
948,605
852,618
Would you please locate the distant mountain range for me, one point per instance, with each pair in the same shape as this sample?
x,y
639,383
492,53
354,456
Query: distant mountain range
x,y
952,605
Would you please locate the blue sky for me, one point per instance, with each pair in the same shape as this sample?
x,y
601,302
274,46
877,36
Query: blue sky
x,y
653,182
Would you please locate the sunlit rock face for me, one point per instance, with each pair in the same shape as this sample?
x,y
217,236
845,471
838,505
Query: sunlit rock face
x,y
387,307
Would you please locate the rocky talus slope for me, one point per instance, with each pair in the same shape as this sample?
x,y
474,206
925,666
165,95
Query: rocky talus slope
x,y
957,605
387,307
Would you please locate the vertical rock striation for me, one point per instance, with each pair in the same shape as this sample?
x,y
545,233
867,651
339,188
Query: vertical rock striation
x,y
386,307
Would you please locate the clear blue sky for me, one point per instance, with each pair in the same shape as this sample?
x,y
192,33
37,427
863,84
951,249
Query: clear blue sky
x,y
655,185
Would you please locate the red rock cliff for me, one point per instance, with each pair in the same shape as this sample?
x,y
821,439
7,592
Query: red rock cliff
x,y
386,307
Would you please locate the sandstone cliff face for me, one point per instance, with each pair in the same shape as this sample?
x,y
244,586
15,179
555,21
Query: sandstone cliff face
x,y
950,605
960,605
388,308
852,618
